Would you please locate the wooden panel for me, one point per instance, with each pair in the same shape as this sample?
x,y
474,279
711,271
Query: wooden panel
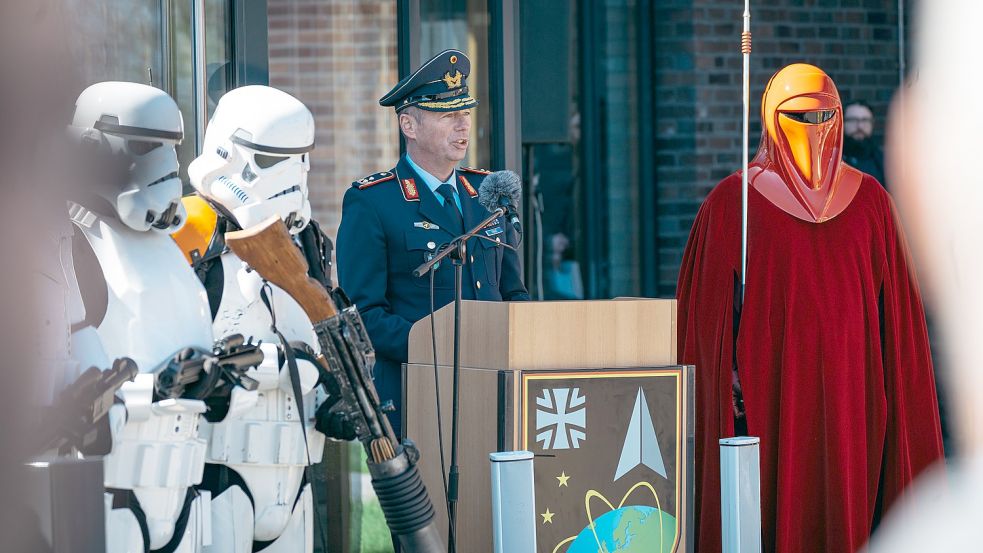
x,y
477,438
553,335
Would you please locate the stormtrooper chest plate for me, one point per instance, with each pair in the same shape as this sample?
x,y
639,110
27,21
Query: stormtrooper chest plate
x,y
242,309
156,303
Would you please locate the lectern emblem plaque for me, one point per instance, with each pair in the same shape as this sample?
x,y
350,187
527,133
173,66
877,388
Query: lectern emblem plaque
x,y
611,465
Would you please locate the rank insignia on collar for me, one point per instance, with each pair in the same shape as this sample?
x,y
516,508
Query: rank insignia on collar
x,y
410,192
426,225
467,186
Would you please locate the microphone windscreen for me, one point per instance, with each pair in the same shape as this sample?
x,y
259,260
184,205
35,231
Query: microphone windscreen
x,y
497,185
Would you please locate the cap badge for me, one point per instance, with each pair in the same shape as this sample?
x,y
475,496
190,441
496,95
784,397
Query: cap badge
x,y
453,82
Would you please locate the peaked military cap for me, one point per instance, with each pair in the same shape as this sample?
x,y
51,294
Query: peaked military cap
x,y
438,85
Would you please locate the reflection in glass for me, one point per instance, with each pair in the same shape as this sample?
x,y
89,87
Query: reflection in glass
x,y
463,26
116,40
618,105
585,192
218,68
556,259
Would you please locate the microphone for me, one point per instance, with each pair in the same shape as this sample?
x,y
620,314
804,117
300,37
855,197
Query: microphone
x,y
501,191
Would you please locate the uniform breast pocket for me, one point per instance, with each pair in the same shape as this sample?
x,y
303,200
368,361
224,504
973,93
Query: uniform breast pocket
x,y
421,246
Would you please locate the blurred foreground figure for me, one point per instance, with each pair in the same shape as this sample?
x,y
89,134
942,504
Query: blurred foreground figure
x,y
38,92
145,303
933,136
254,166
827,358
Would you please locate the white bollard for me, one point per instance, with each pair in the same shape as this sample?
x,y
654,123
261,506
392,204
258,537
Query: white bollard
x,y
740,495
513,502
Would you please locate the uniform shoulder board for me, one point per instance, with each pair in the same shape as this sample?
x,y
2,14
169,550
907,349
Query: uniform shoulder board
x,y
477,171
373,180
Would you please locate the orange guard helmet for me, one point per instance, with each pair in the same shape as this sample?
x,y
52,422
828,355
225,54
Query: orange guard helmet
x,y
799,165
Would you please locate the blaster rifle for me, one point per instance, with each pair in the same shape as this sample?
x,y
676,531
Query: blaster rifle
x,y
353,410
193,373
73,420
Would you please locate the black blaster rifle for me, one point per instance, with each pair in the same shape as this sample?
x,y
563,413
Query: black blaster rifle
x,y
73,420
210,376
353,410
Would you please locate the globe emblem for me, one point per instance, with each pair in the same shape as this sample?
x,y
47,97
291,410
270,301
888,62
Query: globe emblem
x,y
630,529
625,528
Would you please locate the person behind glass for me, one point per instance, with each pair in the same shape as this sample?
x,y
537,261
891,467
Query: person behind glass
x,y
395,220
859,147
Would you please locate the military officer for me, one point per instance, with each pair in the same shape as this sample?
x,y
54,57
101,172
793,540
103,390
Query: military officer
x,y
395,220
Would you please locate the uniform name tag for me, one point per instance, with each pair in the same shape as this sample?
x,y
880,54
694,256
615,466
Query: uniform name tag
x,y
494,231
428,256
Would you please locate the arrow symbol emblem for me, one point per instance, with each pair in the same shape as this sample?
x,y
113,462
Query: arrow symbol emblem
x,y
641,445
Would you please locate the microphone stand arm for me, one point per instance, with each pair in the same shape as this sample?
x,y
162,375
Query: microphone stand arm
x,y
457,251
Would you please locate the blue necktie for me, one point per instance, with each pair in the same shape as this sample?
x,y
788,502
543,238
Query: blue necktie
x,y
450,206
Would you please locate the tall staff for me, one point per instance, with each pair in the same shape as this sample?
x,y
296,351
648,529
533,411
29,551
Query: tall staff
x,y
746,51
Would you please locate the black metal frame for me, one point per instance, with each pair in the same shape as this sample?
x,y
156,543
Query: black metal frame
x,y
407,43
648,205
164,81
503,59
592,239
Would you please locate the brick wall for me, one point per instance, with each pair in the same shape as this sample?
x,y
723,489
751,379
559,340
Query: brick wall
x,y
339,58
698,87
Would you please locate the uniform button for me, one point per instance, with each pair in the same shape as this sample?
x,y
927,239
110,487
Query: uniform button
x,y
431,245
478,284
498,239
472,259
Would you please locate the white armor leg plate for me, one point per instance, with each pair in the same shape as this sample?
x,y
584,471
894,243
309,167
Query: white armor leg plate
x,y
298,536
232,523
197,532
123,534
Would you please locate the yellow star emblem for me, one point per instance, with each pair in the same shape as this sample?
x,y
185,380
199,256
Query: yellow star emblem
x,y
547,516
563,479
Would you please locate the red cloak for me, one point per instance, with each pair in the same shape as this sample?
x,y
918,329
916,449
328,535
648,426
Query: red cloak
x,y
833,359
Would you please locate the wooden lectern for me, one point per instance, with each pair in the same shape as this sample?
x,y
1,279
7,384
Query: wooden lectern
x,y
591,387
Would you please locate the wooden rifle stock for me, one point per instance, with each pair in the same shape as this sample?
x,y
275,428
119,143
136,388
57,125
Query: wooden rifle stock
x,y
268,249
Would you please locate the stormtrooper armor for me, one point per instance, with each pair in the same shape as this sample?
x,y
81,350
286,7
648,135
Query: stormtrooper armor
x,y
157,455
254,165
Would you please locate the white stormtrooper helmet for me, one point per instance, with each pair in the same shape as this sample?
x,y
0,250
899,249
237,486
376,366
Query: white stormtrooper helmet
x,y
256,156
138,126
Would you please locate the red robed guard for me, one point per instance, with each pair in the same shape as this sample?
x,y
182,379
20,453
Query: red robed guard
x,y
828,348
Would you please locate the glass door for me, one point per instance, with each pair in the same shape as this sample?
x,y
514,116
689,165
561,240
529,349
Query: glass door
x,y
463,25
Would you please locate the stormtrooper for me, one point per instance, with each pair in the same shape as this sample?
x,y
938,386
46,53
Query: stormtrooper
x,y
253,166
130,273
